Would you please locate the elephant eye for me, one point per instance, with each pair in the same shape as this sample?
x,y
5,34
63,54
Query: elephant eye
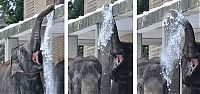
x,y
14,57
21,50
77,81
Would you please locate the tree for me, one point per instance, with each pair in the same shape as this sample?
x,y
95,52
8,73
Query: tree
x,y
78,8
71,13
75,9
142,5
13,10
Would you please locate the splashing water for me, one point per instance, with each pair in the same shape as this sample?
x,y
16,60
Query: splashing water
x,y
106,28
46,48
171,52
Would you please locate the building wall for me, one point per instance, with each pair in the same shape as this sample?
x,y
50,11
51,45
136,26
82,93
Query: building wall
x,y
58,45
28,8
155,50
89,6
92,5
90,50
127,38
32,7
39,5
156,3
49,2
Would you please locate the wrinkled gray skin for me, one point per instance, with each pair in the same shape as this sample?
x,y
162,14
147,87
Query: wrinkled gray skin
x,y
84,75
150,81
34,45
123,74
21,75
190,58
59,77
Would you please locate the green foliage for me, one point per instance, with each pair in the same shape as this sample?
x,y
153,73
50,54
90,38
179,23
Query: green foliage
x,y
142,5
78,7
71,13
75,9
2,52
12,14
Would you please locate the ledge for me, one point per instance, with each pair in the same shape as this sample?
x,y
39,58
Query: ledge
x,y
153,17
27,24
95,17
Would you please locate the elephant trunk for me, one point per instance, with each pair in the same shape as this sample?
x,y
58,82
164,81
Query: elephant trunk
x,y
115,42
116,49
35,40
191,54
190,47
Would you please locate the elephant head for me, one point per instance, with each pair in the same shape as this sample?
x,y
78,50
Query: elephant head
x,y
84,75
116,48
190,52
24,73
21,63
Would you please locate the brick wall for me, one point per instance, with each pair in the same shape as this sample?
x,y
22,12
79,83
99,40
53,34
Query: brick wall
x,y
127,38
39,5
32,7
92,5
48,2
28,8
89,6
156,3
154,51
197,37
58,46
89,50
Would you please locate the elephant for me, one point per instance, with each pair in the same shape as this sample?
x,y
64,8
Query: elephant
x,y
84,75
36,53
122,76
58,72
190,57
116,50
21,75
121,54
150,79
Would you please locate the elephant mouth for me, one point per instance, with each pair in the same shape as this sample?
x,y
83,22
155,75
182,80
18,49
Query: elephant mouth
x,y
194,63
118,60
35,57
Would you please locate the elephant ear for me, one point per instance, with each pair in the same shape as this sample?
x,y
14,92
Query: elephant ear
x,y
15,66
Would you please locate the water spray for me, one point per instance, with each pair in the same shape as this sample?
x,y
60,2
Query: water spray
x,y
46,48
171,44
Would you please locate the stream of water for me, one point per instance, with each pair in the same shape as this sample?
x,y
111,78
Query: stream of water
x,y
171,46
46,48
106,28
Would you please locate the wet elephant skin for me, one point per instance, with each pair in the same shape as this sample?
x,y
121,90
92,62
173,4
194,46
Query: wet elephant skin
x,y
150,80
21,75
123,74
14,79
84,75
59,77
